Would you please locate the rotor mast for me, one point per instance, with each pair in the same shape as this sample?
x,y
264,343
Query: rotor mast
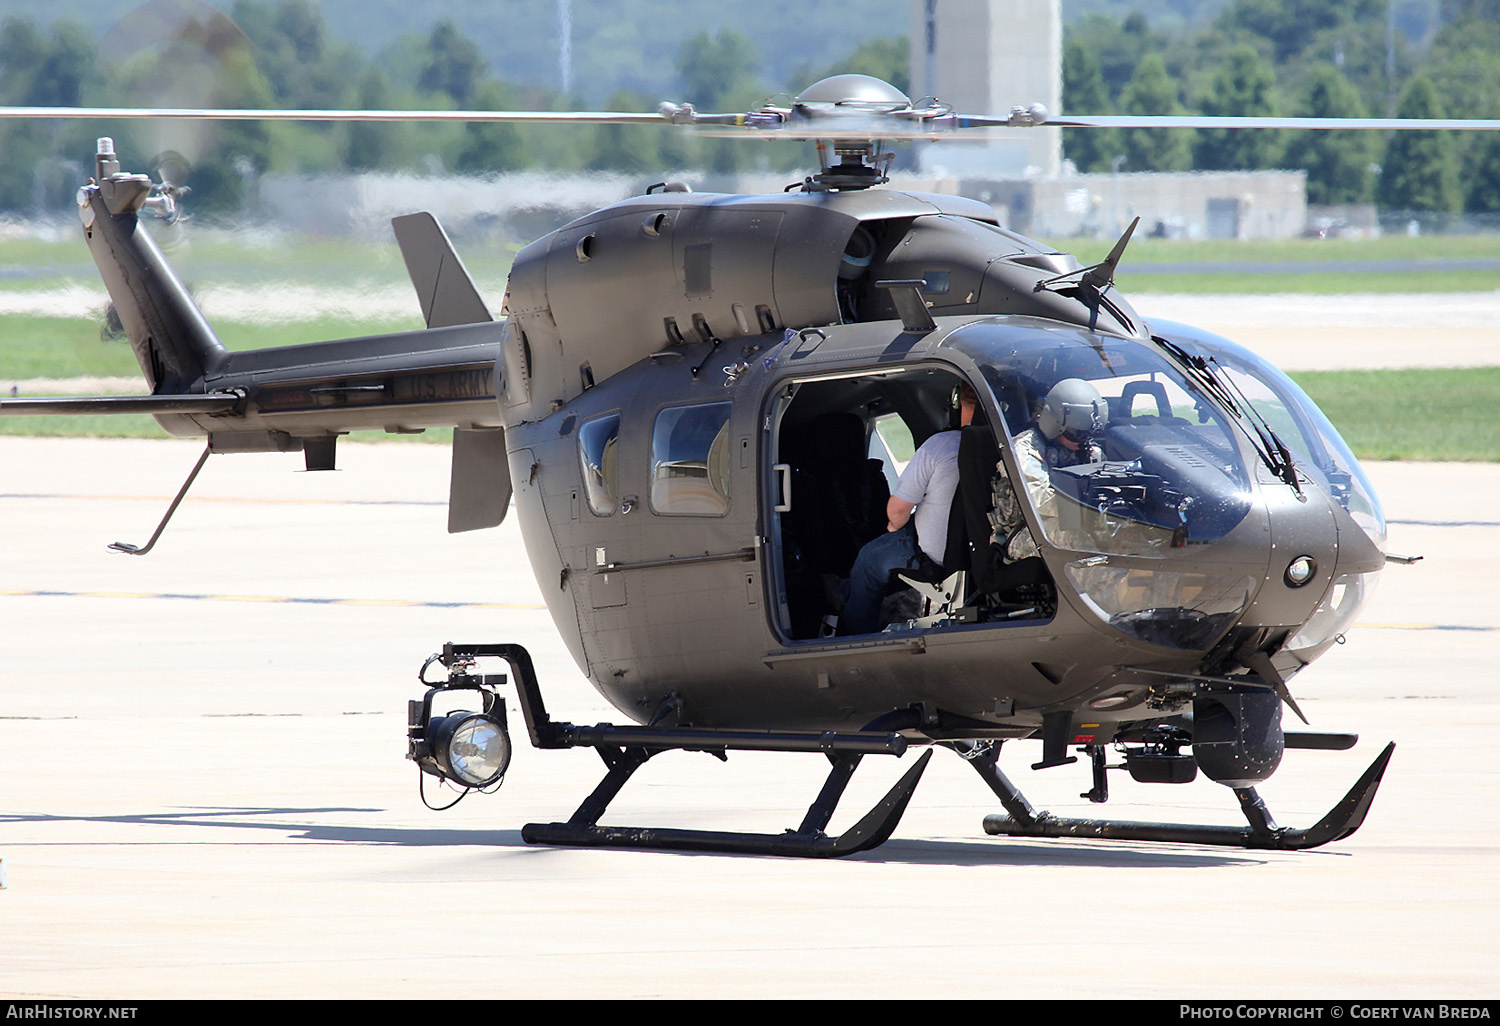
x,y
854,164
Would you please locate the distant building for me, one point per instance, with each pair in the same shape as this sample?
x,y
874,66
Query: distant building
x,y
524,205
1177,205
517,206
985,57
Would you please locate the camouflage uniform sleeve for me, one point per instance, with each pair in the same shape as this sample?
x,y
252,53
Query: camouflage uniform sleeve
x,y
1008,528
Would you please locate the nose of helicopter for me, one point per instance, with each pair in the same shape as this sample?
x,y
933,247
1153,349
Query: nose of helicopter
x,y
1350,582
1320,568
1295,569
1302,537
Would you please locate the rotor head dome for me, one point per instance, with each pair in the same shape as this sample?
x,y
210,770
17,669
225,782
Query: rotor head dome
x,y
860,90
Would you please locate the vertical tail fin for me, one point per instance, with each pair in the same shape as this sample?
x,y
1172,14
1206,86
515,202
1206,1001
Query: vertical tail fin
x,y
172,342
444,288
479,488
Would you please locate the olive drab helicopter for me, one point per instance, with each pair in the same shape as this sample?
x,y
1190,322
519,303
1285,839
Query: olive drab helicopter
x,y
695,403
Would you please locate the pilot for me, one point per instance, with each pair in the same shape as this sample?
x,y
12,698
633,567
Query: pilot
x,y
916,517
1067,425
1072,415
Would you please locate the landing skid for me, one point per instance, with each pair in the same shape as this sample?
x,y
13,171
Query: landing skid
x,y
807,841
626,749
1021,820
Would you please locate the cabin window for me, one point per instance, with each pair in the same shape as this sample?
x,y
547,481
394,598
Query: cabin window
x,y
892,444
598,449
690,460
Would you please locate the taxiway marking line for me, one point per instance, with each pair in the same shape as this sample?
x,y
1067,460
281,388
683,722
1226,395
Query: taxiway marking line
x,y
1426,627
252,500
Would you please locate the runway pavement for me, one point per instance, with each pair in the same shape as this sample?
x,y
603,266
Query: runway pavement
x,y
202,789
1299,332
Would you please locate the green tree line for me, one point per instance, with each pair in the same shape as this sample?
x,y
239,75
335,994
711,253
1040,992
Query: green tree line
x,y
1288,57
1252,57
279,54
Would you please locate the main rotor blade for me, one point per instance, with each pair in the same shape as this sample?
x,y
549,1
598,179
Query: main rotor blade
x,y
841,125
1194,121
865,125
229,114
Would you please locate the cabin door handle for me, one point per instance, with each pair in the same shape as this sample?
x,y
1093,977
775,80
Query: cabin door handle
x,y
785,472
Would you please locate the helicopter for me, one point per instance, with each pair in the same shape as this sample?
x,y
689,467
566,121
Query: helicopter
x,y
695,404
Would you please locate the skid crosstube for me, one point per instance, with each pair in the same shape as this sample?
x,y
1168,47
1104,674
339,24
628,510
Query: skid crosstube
x,y
625,749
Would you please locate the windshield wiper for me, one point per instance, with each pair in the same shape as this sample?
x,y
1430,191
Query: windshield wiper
x,y
1272,451
1285,468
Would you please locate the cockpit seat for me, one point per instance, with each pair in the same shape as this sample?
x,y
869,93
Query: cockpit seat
x,y
841,494
938,601
1134,389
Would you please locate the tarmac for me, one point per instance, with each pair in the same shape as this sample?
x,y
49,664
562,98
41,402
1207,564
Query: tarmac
x,y
1305,332
203,792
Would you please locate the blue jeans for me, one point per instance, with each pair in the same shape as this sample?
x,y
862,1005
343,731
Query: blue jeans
x,y
870,578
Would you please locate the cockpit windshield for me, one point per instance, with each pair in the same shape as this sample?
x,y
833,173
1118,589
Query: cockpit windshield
x,y
1120,451
1320,452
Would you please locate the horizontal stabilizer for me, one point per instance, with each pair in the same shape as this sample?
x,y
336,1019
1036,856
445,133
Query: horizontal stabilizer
x,y
212,402
444,288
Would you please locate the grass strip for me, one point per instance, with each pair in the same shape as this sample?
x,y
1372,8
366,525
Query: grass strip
x,y
1443,414
1436,414
1307,282
1287,251
69,347
140,425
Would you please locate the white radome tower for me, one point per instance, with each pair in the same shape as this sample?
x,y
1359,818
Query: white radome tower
x,y
985,57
